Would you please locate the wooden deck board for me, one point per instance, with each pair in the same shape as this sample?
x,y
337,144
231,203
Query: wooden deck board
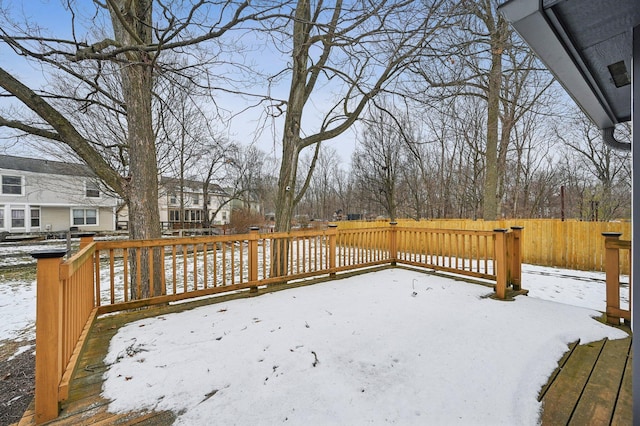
x,y
564,393
623,414
598,400
561,364
592,385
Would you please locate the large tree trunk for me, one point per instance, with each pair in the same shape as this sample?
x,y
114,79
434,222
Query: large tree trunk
x,y
143,197
490,205
131,23
293,118
291,141
286,187
284,207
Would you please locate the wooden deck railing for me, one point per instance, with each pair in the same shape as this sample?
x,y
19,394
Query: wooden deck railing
x,y
65,310
105,276
613,245
571,244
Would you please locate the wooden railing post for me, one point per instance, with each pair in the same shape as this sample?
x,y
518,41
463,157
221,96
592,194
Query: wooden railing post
x,y
515,266
332,233
612,270
48,333
253,257
86,238
393,243
500,262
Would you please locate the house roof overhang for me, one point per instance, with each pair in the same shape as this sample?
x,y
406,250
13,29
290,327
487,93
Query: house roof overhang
x,y
587,45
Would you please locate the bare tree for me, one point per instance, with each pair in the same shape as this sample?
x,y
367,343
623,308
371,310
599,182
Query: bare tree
x,y
378,161
611,168
356,50
482,57
320,200
250,178
133,49
345,193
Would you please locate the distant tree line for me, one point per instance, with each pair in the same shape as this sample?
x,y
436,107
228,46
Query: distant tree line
x,y
550,173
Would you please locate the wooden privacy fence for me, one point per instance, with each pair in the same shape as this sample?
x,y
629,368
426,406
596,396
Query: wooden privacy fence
x,y
613,246
110,276
568,244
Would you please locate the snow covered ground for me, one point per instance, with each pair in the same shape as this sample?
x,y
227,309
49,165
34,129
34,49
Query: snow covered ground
x,y
353,351
17,309
395,347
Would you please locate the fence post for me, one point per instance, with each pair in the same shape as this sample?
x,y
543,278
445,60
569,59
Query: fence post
x,y
48,333
86,238
253,257
612,270
393,243
515,268
500,262
332,233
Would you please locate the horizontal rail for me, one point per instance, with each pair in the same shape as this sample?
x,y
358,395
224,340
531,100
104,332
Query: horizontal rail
x,y
206,265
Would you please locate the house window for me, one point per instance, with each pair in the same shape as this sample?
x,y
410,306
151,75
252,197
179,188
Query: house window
x,y
173,199
85,217
12,185
92,190
17,218
1,217
174,215
35,217
193,215
196,199
224,215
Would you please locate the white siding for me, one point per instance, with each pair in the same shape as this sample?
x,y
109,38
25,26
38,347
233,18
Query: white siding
x,y
55,196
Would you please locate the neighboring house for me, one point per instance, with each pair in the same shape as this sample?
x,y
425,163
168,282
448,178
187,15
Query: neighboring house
x,y
193,211
246,201
42,196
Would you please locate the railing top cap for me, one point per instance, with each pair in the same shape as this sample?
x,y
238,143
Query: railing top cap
x,y
48,253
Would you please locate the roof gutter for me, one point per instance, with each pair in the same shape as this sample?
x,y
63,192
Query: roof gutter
x,y
611,141
536,25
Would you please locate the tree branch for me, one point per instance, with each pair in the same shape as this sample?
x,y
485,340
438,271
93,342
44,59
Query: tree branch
x,y
66,131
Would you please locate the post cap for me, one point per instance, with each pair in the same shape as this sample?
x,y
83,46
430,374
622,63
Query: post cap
x,y
517,228
611,234
85,234
254,228
333,225
48,253
393,223
500,230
